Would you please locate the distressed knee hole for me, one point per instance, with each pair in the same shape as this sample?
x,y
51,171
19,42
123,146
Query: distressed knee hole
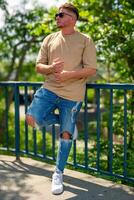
x,y
30,120
66,136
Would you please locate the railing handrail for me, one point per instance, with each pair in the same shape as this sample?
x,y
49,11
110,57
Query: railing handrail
x,y
88,83
91,85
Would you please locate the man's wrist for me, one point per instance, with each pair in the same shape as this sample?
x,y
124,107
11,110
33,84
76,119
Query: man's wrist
x,y
51,69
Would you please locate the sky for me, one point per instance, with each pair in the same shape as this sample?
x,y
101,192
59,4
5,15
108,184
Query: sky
x,y
13,4
48,3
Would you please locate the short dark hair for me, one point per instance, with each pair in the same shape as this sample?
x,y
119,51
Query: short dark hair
x,y
71,8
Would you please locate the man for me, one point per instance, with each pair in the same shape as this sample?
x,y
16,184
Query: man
x,y
66,58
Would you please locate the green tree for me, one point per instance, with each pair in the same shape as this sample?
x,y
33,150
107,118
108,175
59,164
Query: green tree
x,y
3,5
20,38
110,23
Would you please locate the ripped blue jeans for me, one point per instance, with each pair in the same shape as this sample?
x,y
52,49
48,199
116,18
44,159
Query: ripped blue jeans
x,y
42,109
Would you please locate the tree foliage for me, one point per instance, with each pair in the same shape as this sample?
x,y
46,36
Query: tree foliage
x,y
111,24
20,40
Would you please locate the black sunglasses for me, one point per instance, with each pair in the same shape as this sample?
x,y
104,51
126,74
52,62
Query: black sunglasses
x,y
61,15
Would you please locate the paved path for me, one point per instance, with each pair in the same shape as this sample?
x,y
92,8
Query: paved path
x,y
31,180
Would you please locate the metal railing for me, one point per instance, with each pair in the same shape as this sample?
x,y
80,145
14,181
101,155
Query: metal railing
x,y
105,126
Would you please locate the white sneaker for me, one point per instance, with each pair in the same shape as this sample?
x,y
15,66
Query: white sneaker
x,y
75,135
57,183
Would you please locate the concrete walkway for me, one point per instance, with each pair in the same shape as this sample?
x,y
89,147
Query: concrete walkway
x,y
31,180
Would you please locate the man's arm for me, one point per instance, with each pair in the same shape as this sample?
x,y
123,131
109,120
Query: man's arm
x,y
56,67
81,73
44,69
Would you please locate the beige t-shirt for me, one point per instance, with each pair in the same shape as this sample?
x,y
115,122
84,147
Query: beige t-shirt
x,y
77,51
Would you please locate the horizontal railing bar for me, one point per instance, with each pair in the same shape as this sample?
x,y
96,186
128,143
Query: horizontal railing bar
x,y
104,172
37,155
128,86
12,83
111,86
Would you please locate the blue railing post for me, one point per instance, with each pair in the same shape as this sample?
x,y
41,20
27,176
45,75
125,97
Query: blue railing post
x,y
53,142
6,111
74,154
86,130
98,128
125,135
44,142
17,122
110,156
26,126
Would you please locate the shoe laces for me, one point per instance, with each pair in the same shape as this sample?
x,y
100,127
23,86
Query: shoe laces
x,y
57,178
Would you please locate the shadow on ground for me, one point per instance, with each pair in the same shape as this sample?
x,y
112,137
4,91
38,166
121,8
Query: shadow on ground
x,y
22,181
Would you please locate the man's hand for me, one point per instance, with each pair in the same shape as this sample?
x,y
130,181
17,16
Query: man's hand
x,y
57,69
62,76
57,66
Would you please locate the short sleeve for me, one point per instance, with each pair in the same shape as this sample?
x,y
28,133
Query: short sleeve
x,y
89,54
43,53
